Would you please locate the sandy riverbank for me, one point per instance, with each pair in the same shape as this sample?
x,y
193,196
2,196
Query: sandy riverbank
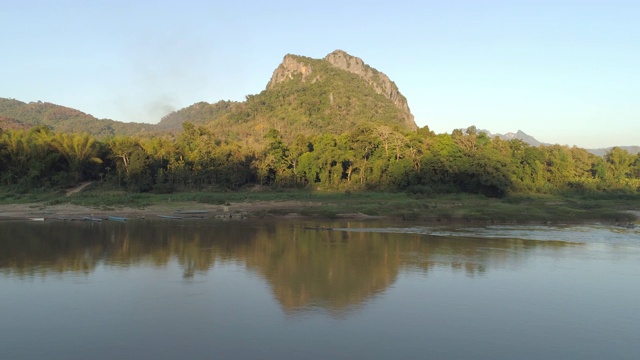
x,y
240,210
69,211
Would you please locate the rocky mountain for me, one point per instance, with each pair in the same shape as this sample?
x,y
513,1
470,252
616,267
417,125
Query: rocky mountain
x,y
312,71
305,96
378,81
521,135
308,96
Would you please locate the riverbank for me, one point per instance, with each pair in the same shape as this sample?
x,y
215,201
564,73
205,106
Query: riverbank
x,y
68,211
519,208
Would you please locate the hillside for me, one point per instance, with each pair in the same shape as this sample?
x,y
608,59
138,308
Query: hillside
x,y
305,96
7,123
380,82
63,119
199,113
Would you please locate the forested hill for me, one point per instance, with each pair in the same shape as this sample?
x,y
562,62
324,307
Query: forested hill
x,y
199,113
10,123
64,119
305,96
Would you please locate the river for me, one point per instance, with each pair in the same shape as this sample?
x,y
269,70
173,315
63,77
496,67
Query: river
x,y
302,289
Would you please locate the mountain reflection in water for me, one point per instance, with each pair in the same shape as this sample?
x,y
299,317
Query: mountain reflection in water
x,y
335,270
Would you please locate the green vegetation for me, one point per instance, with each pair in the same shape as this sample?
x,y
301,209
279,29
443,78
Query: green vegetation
x,y
316,132
199,113
368,157
516,208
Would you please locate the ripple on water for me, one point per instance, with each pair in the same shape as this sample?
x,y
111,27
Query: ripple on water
x,y
589,234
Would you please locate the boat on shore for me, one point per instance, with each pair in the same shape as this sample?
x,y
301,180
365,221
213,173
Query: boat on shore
x,y
170,217
37,219
117,218
90,218
317,228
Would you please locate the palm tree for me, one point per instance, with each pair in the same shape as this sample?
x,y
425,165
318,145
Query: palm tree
x,y
79,150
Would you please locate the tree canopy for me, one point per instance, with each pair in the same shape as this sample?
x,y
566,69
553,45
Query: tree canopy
x,y
365,157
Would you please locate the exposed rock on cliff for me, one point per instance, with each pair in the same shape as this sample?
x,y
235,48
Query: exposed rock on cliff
x,y
293,65
377,80
290,66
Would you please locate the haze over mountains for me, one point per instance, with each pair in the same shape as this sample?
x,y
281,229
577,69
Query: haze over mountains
x,y
521,135
304,96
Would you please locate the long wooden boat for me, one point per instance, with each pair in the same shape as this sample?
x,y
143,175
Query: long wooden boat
x,y
89,218
171,217
37,219
117,218
317,228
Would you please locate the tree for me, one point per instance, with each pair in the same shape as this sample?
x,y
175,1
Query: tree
x,y
274,162
324,165
79,150
619,163
362,144
131,163
28,158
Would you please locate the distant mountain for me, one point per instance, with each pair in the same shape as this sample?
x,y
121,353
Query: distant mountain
x,y
521,135
532,141
603,151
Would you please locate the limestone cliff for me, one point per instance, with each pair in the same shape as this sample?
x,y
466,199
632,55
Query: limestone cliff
x,y
377,80
290,66
293,65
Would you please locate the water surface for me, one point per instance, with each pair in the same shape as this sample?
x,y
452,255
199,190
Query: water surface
x,y
292,289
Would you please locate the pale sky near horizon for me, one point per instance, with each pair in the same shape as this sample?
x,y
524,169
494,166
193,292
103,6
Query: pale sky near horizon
x,y
562,71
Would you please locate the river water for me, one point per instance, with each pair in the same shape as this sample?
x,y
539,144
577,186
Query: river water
x,y
198,289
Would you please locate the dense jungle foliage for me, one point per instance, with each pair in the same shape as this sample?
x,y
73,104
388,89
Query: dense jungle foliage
x,y
367,157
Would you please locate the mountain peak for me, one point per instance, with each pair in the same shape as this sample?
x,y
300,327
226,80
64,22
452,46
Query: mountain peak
x,y
290,66
521,135
308,69
341,59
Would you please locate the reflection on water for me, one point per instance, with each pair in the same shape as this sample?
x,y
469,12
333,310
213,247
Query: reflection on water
x,y
278,289
306,268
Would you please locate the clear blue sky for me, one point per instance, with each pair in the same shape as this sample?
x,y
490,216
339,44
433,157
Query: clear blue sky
x,y
562,71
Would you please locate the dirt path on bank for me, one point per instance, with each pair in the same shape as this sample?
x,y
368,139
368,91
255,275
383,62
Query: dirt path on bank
x,y
78,188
